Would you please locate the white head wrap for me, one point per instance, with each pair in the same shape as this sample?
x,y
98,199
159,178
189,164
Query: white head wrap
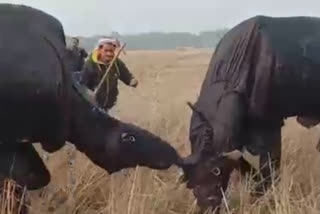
x,y
108,40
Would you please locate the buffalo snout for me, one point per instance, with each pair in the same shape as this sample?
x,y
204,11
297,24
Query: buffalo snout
x,y
128,146
157,154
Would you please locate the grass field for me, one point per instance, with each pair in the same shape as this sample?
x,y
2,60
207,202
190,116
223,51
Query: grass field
x,y
167,80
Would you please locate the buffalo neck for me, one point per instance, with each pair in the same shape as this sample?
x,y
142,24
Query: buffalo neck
x,y
225,115
89,123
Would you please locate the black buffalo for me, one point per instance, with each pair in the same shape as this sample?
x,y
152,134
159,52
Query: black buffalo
x,y
264,70
40,102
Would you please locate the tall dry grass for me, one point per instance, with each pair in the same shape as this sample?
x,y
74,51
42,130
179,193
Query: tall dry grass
x,y
141,190
13,198
167,81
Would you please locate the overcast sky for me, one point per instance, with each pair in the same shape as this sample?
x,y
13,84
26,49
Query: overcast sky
x,y
89,17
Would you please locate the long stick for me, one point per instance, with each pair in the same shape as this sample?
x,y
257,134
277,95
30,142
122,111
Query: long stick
x,y
107,71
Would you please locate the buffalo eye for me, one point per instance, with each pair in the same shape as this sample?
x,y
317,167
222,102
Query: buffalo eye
x,y
132,139
216,171
128,138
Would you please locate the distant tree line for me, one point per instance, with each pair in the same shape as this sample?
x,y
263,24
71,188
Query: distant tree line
x,y
159,40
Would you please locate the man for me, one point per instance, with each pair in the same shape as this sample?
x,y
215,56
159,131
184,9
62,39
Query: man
x,y
96,66
76,55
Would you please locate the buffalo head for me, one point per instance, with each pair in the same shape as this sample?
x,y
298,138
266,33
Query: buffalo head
x,y
113,144
208,175
207,170
126,145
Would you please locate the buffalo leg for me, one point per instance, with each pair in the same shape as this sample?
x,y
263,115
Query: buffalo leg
x,y
265,140
23,164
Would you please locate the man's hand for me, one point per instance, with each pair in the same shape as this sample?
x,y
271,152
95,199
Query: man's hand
x,y
134,83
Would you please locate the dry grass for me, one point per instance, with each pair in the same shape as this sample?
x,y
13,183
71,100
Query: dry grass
x,y
13,198
167,80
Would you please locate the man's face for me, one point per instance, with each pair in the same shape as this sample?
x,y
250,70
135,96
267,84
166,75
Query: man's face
x,y
75,42
106,53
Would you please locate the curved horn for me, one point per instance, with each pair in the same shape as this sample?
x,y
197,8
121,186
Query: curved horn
x,y
233,155
201,115
190,160
254,160
191,106
186,164
209,131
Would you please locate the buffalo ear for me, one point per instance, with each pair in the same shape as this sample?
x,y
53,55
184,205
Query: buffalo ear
x,y
233,155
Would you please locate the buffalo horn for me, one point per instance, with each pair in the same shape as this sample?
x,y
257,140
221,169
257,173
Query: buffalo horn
x,y
200,114
185,163
191,159
233,155
254,160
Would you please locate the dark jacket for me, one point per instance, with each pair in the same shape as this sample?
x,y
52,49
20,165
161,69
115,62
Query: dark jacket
x,y
76,58
94,70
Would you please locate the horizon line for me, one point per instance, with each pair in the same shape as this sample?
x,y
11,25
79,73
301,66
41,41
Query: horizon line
x,y
147,32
